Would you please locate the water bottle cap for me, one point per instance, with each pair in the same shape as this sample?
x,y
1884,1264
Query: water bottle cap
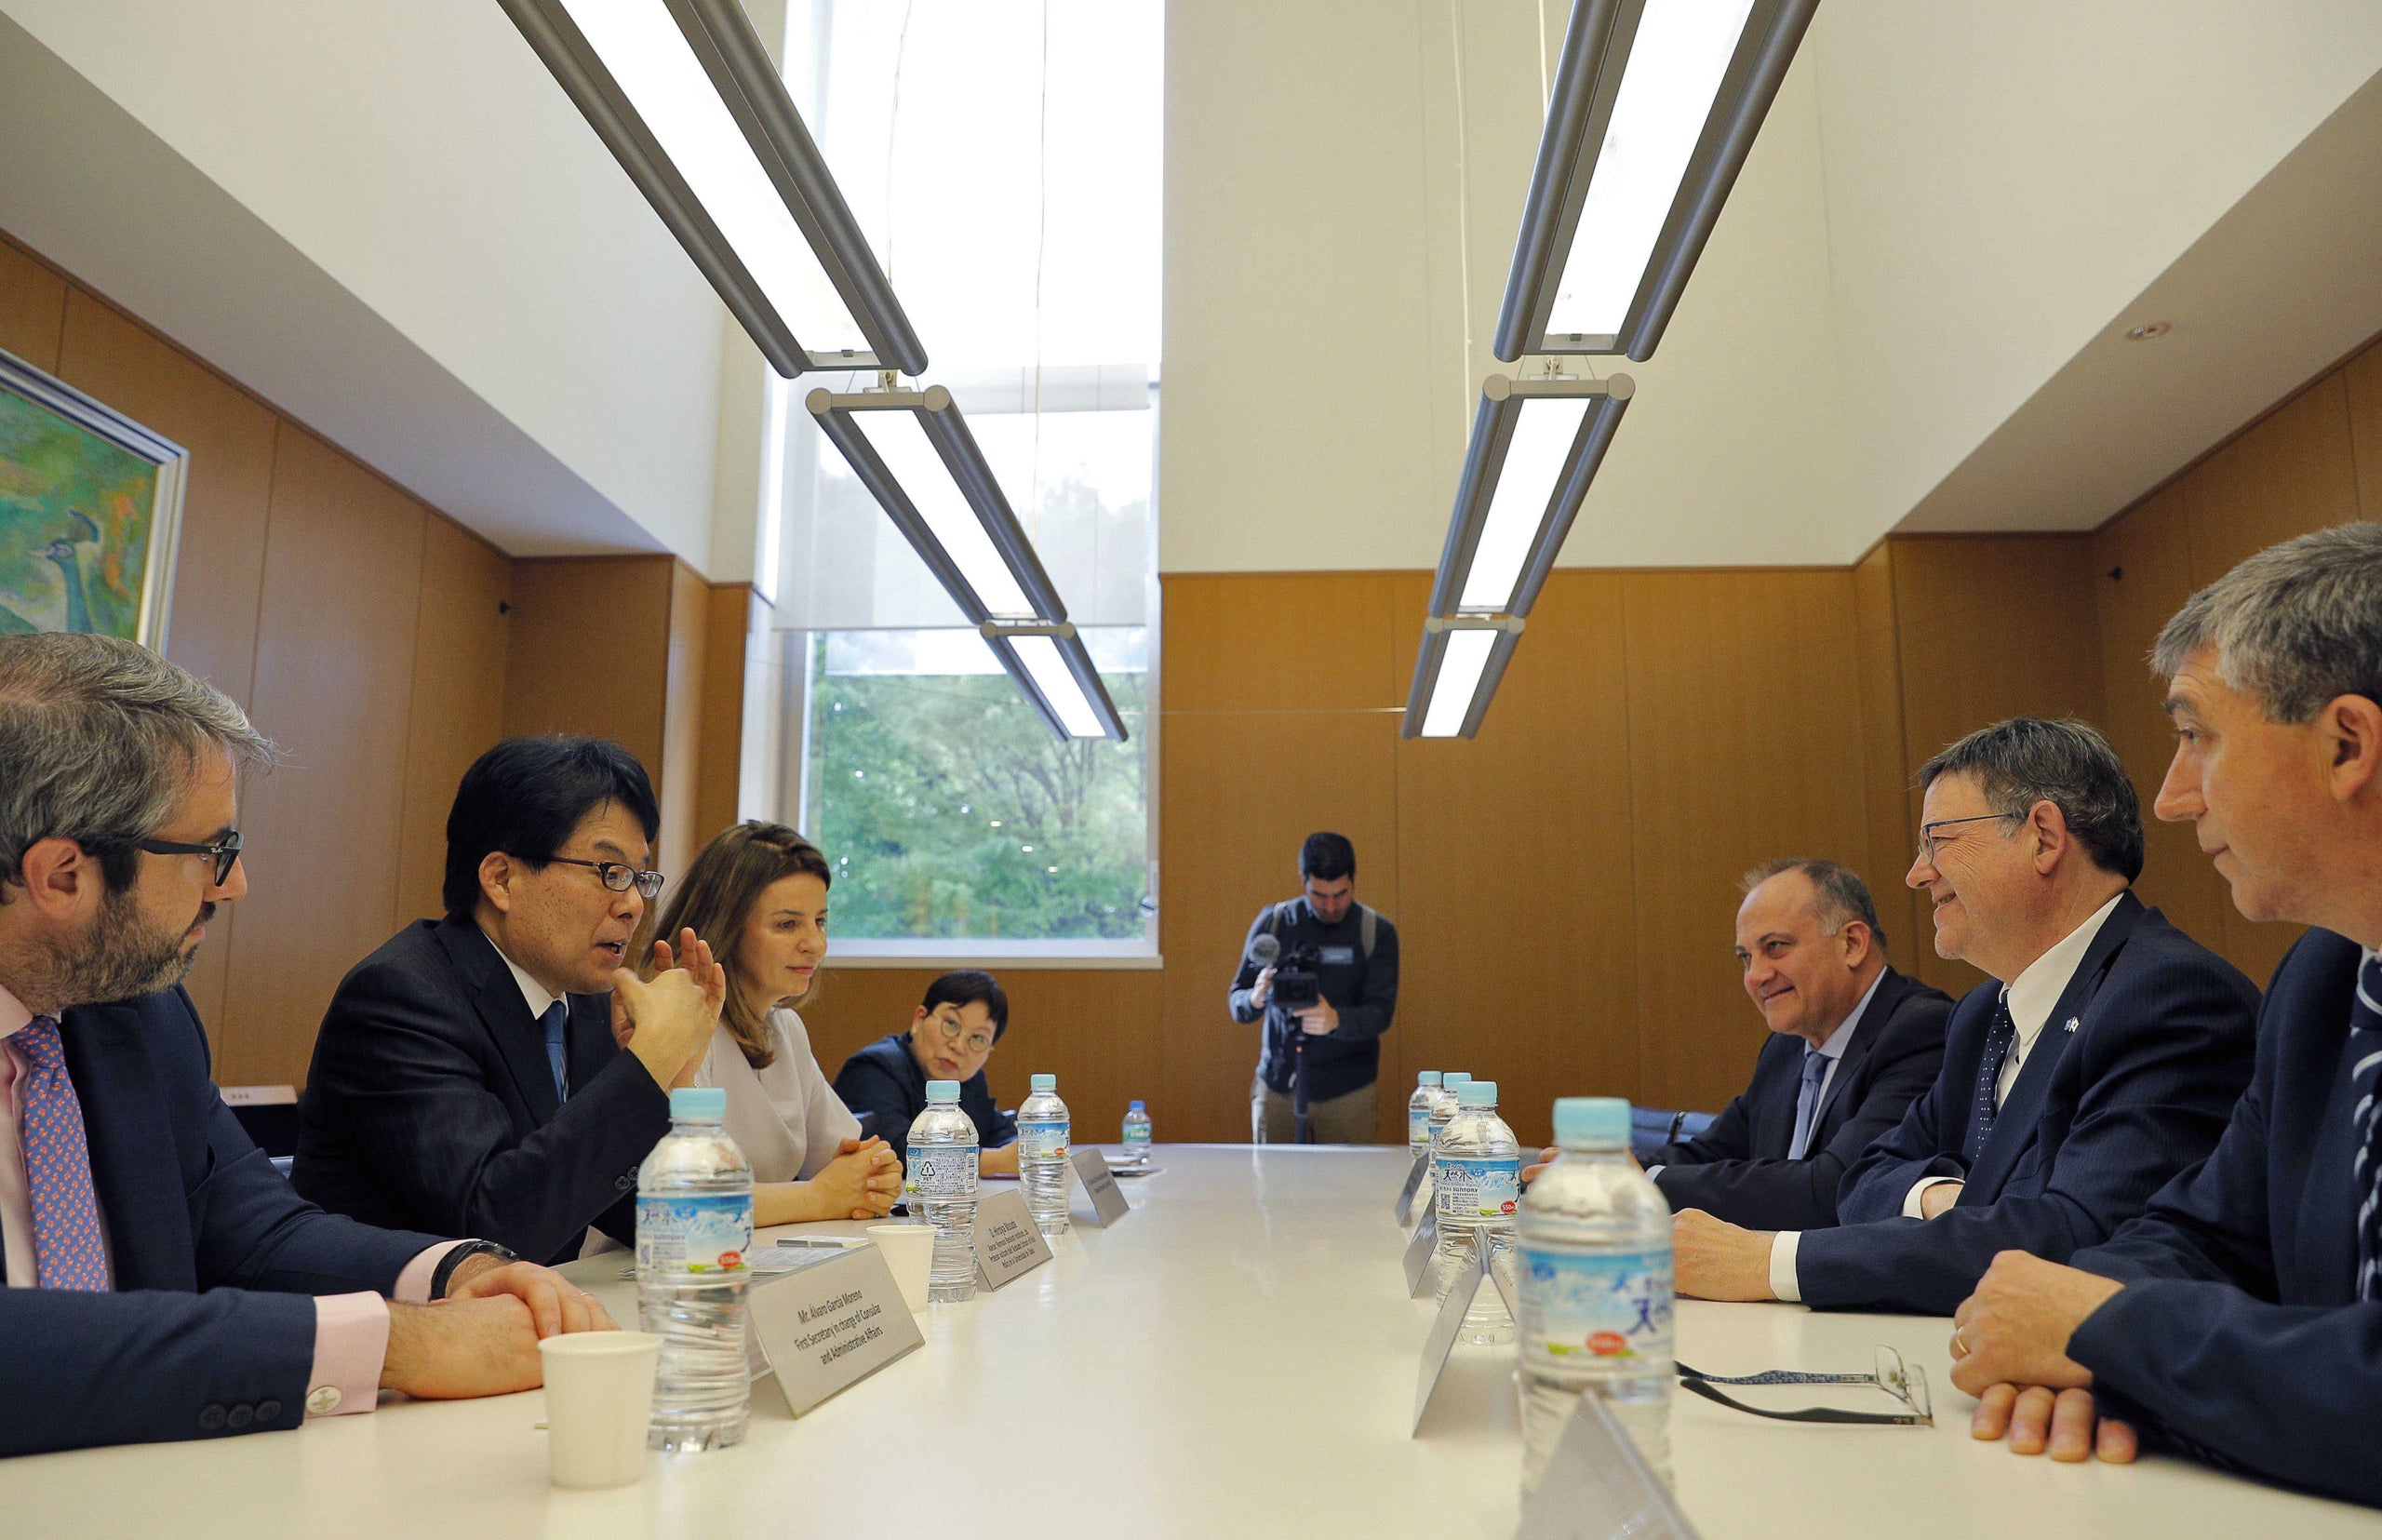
x,y
1428,1078
1454,1078
698,1105
1133,1107
937,1091
1044,1082
1477,1093
1592,1120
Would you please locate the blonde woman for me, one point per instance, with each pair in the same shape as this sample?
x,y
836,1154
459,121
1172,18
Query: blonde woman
x,y
758,894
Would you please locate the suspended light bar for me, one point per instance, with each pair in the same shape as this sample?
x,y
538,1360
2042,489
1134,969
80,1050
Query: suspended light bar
x,y
1536,446
1656,105
913,451
685,97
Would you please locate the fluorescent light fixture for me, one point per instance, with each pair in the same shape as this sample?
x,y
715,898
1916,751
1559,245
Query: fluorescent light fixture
x,y
1052,666
1457,671
1536,445
1656,105
685,97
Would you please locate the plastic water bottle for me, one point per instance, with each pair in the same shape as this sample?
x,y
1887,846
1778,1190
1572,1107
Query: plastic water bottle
x,y
1419,1108
1042,1155
1137,1132
1481,1171
1426,1195
941,1183
694,1226
1595,1289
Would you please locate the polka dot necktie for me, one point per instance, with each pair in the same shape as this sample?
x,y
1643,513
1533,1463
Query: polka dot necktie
x,y
1998,1039
2365,1044
67,1251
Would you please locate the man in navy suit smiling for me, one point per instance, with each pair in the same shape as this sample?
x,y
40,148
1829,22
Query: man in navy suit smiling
x,y
2102,1057
2241,1317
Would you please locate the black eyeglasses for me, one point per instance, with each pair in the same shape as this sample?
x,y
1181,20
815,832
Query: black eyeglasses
x,y
225,850
620,877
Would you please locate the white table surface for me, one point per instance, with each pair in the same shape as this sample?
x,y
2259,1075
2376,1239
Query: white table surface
x,y
1235,1358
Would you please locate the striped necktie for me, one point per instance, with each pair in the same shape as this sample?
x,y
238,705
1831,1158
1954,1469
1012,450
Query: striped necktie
x,y
557,1015
2365,1044
68,1253
1998,1039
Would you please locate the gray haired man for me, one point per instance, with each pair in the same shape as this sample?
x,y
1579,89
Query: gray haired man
x,y
2239,1319
163,1281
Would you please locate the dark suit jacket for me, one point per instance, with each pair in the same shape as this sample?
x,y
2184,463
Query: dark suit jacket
x,y
2099,1119
2239,1333
1737,1169
209,1330
884,1078
430,1102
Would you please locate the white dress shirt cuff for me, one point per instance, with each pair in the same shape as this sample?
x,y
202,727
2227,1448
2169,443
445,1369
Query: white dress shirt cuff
x,y
1652,1172
1783,1247
1912,1199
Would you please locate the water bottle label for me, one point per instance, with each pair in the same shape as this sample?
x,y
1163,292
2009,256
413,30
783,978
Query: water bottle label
x,y
1137,1133
1590,1307
942,1170
1041,1141
694,1235
1418,1127
1472,1190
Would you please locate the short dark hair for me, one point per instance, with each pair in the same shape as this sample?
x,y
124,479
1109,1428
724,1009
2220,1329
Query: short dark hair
x,y
1838,896
527,794
2068,764
966,987
1328,857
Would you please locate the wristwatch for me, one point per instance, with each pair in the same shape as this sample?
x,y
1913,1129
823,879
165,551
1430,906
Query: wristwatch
x,y
454,1259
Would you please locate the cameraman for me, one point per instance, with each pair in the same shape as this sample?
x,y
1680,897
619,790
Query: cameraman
x,y
1322,1051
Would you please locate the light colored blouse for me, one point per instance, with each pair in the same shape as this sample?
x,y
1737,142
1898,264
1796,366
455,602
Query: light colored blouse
x,y
786,1118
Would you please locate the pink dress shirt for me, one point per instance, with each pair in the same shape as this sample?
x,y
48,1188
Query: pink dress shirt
x,y
351,1331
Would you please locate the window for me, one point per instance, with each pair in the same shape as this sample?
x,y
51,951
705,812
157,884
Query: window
x,y
1004,158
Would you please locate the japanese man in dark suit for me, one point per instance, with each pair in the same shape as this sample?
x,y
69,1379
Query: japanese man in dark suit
x,y
468,1074
2241,1317
2102,1056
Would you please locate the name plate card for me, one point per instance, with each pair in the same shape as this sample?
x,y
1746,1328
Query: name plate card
x,y
831,1324
1098,1184
1596,1486
1444,1327
1418,1253
1007,1242
1405,1210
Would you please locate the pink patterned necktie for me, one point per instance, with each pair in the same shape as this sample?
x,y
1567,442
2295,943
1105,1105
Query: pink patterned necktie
x,y
67,1251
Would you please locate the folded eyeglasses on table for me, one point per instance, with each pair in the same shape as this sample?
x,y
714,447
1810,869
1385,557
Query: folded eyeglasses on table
x,y
1904,1384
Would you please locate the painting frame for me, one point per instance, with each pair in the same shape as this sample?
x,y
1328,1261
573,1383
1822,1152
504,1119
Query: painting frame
x,y
49,394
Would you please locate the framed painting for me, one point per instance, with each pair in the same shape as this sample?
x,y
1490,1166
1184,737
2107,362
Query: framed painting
x,y
90,511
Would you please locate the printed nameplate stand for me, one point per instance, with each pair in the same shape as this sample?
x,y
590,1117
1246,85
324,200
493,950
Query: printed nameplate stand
x,y
1419,1250
1598,1487
1098,1184
1007,1242
830,1324
1405,1210
1444,1328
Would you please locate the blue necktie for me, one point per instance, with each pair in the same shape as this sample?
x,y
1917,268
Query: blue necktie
x,y
1806,1105
2365,1042
1998,1039
556,1014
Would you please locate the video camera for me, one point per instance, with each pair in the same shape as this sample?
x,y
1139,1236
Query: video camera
x,y
1296,985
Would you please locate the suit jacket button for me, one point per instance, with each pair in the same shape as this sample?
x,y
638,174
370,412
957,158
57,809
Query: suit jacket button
x,y
268,1411
211,1419
242,1415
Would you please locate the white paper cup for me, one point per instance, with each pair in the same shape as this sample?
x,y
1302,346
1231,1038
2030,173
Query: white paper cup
x,y
599,1395
909,1251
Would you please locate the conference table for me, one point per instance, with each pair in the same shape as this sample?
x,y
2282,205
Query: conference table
x,y
1235,1358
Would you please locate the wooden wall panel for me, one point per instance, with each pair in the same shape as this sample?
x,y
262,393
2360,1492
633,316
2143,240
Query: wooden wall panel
x,y
334,686
456,710
726,628
2363,377
1516,879
1886,790
2291,472
1256,642
591,650
33,307
1746,744
682,717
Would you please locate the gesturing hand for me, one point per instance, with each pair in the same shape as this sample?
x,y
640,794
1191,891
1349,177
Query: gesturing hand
x,y
667,1022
